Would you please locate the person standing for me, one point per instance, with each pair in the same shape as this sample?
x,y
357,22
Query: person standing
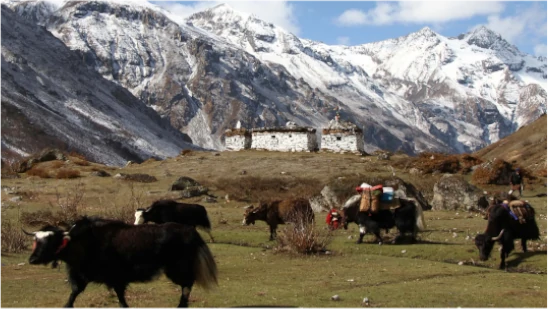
x,y
516,182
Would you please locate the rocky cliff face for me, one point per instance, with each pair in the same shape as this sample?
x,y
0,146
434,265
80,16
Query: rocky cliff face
x,y
50,100
419,92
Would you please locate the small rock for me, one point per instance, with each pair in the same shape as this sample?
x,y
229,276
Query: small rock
x,y
216,154
283,173
365,301
455,235
20,264
16,199
461,263
335,297
350,237
468,237
403,251
350,280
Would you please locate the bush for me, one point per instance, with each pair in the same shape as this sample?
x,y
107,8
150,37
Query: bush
x,y
496,172
38,171
302,237
67,209
125,211
65,173
13,238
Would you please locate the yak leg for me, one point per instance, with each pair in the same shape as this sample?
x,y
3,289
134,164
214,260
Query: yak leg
x,y
362,234
78,285
120,292
524,244
378,236
503,256
182,274
272,232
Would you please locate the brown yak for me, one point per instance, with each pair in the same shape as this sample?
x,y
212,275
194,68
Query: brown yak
x,y
279,212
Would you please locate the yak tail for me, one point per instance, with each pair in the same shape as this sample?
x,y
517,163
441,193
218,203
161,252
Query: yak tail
x,y
206,268
419,217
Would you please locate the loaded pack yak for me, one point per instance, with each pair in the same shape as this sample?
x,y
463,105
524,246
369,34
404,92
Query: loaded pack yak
x,y
115,254
279,212
504,226
163,211
407,218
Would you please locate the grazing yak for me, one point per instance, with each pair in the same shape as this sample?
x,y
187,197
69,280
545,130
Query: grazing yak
x,y
163,211
115,254
280,212
408,218
504,226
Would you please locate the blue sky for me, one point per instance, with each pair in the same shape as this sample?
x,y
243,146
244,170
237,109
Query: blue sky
x,y
522,23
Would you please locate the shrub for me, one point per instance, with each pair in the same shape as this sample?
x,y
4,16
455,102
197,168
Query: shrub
x,y
302,237
125,211
64,211
65,173
13,238
38,171
81,162
186,152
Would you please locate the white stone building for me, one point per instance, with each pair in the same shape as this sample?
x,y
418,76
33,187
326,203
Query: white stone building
x,y
342,137
290,138
237,139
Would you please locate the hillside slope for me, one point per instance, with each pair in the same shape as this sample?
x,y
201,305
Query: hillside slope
x,y
526,147
49,100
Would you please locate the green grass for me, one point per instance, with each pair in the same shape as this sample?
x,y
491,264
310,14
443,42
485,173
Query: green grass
x,y
251,273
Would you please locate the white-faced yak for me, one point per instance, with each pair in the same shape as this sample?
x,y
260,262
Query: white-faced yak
x,y
163,211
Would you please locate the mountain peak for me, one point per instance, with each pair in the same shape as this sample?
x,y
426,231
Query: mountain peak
x,y
486,38
427,31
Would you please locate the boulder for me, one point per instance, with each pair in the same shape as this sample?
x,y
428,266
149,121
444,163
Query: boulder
x,y
45,155
189,187
325,201
136,177
100,173
453,192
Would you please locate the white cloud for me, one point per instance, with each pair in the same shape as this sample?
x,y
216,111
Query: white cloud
x,y
280,13
540,50
386,13
525,24
343,40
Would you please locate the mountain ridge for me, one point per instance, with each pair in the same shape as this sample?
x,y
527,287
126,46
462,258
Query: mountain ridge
x,y
450,96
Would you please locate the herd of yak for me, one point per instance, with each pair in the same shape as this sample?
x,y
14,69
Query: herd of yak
x,y
115,253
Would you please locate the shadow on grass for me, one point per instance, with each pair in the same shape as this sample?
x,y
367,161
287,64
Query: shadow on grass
x,y
521,256
263,307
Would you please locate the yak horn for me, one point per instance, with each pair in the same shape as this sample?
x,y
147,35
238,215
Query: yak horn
x,y
498,237
30,234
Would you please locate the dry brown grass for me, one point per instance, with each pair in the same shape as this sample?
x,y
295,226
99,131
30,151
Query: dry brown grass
x,y
186,152
66,173
254,188
526,147
81,162
497,173
430,162
39,172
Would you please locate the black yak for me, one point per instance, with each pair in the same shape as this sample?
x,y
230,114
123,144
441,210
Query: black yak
x,y
163,211
407,218
115,254
504,226
280,212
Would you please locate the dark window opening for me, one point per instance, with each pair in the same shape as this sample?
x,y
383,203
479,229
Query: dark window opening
x,y
339,138
273,136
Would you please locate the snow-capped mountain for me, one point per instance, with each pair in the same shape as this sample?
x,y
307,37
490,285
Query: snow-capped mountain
x,y
50,100
419,92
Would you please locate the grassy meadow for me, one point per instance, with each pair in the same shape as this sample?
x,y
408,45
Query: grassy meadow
x,y
441,270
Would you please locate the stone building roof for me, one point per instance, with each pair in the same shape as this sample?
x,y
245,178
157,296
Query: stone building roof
x,y
335,126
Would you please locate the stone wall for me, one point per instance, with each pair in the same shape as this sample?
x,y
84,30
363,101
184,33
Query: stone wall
x,y
343,141
280,141
237,142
